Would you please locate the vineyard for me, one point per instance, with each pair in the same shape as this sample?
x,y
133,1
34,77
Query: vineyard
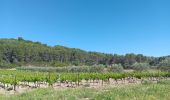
x,y
13,79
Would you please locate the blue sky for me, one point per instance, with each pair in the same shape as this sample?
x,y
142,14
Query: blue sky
x,y
109,26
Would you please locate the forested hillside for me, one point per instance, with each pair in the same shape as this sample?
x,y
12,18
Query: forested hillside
x,y
17,52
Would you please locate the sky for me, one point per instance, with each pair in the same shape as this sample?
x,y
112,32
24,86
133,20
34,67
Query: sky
x,y
108,26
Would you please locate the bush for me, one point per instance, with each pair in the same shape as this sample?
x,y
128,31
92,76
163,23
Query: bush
x,y
140,66
115,68
78,69
59,64
165,64
2,65
96,68
164,68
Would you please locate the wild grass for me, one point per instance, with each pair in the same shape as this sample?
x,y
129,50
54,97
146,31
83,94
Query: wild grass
x,y
150,91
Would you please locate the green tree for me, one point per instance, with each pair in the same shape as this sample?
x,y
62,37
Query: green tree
x,y
140,66
115,68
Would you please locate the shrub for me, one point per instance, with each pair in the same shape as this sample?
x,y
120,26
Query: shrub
x,y
96,68
115,68
140,66
165,64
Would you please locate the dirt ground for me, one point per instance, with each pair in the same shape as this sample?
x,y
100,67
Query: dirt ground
x,y
25,87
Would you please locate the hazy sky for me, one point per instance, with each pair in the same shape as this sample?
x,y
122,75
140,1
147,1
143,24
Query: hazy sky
x,y
110,26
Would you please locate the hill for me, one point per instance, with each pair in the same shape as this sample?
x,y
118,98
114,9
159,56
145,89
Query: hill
x,y
18,52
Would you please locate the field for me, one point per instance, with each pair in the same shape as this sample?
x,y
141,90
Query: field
x,y
31,85
145,91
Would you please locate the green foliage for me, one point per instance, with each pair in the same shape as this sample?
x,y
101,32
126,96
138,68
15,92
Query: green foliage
x,y
5,65
165,64
60,64
94,68
115,68
25,52
140,66
30,53
16,52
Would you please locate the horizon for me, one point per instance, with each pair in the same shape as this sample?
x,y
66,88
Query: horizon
x,y
114,27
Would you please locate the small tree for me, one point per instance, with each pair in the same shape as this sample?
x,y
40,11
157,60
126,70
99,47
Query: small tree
x,y
165,64
115,68
96,68
140,66
20,39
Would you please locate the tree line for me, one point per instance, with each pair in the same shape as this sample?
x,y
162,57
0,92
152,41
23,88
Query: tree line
x,y
19,52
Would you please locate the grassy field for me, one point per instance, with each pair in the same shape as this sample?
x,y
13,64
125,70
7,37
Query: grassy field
x,y
145,91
